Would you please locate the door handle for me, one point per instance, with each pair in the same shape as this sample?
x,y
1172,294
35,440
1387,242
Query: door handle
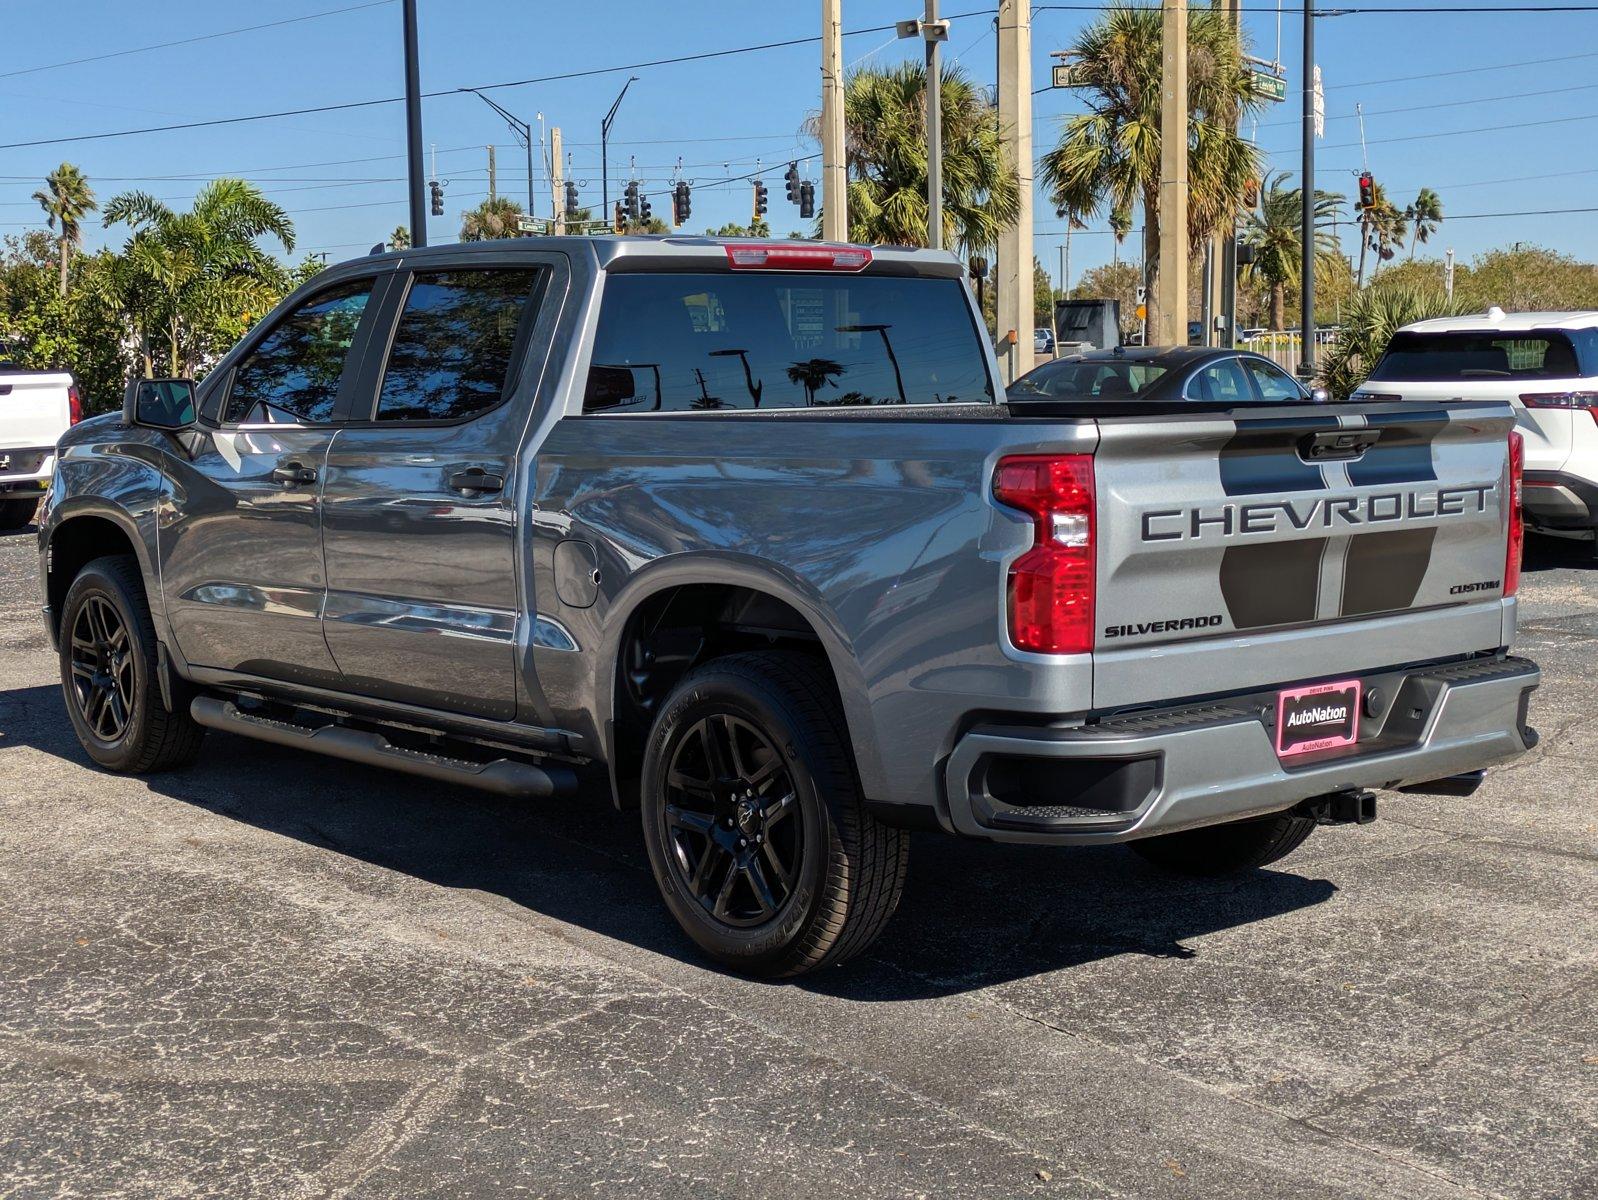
x,y
476,480
294,472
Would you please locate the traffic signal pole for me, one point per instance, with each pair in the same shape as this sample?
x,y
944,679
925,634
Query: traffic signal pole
x,y
834,171
413,128
1306,366
604,146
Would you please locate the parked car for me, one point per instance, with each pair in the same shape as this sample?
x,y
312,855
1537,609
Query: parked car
x,y
36,408
1164,374
1043,341
748,538
1545,365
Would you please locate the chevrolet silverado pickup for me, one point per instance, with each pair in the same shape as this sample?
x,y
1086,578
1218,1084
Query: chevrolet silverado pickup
x,y
749,538
36,408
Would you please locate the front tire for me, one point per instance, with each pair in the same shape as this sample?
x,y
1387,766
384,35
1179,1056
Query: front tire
x,y
1226,849
108,674
757,833
17,514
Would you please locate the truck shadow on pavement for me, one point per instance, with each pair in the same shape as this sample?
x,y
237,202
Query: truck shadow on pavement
x,y
973,915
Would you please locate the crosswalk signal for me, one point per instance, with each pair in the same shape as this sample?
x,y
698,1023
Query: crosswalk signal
x,y
760,198
791,178
681,204
1367,190
437,190
571,196
807,200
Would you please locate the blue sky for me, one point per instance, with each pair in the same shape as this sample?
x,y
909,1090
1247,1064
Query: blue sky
x,y
339,173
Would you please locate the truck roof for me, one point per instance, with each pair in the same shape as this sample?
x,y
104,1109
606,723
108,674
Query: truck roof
x,y
1496,320
677,250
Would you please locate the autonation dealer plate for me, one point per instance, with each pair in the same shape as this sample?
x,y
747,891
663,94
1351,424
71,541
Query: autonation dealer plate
x,y
1317,718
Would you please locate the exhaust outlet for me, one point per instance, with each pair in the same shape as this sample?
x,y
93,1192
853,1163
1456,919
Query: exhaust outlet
x,y
1463,784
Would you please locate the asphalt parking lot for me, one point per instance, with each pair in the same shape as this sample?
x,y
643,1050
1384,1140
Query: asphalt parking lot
x,y
280,976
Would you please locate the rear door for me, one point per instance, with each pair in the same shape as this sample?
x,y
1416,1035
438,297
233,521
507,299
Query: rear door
x,y
420,525
34,413
1294,542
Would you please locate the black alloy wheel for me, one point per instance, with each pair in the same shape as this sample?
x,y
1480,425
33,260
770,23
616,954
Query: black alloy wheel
x,y
734,846
102,669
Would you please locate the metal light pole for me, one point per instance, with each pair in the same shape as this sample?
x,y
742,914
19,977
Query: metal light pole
x,y
524,133
933,33
604,149
413,128
1306,365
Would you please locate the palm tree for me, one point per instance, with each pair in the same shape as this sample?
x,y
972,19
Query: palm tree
x,y
1108,158
884,113
1425,215
814,374
1275,231
201,275
66,200
1382,227
400,239
495,217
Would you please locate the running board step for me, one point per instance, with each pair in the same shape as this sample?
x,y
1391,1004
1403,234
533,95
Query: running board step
x,y
503,776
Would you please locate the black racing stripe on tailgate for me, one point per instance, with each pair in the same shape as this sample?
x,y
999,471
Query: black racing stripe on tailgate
x,y
1404,453
1272,584
1382,572
1261,457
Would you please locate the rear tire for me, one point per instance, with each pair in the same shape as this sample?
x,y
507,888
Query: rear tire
x,y
109,674
17,514
1226,849
757,833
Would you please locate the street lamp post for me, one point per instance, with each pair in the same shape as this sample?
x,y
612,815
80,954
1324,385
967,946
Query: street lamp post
x,y
524,133
413,128
604,149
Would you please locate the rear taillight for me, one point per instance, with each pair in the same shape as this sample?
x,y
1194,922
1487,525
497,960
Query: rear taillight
x,y
1051,585
74,405
1517,522
1582,401
789,256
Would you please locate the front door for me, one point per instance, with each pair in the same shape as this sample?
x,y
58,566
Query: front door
x,y
419,518
241,539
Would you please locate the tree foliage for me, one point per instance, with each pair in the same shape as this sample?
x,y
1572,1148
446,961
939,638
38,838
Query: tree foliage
x,y
1275,231
1373,316
495,217
66,200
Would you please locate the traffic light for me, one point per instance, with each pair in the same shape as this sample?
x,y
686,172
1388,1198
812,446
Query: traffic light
x,y
760,198
791,178
619,221
437,190
632,201
1367,190
681,204
645,210
571,196
807,200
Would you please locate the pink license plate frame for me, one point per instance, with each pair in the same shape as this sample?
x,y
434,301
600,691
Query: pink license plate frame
x,y
1319,732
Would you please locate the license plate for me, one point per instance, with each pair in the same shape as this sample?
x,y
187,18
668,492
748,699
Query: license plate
x,y
1317,718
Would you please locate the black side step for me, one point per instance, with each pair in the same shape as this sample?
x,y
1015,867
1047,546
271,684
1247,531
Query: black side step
x,y
504,776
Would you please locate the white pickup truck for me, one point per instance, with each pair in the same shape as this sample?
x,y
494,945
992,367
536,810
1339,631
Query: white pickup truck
x,y
36,408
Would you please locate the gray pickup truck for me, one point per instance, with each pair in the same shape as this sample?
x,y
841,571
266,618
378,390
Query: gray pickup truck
x,y
748,537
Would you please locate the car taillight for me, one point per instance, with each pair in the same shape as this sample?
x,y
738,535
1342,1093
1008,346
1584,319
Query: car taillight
x,y
74,405
1051,585
1517,522
788,256
1587,401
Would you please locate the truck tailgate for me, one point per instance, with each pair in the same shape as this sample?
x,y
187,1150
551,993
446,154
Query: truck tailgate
x,y
1294,543
34,410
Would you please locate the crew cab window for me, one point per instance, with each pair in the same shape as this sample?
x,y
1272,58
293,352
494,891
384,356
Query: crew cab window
x,y
1222,382
293,374
1447,357
454,350
703,342
1274,383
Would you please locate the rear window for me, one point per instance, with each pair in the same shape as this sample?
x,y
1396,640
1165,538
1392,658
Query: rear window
x,y
1447,357
704,342
1088,381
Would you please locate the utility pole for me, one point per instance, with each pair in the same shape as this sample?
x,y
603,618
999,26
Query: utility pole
x,y
834,169
604,146
555,191
1448,274
1014,297
413,127
491,176
1223,246
933,33
1306,365
1172,291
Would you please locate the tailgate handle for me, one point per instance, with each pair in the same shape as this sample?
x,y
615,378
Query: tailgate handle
x,y
1337,444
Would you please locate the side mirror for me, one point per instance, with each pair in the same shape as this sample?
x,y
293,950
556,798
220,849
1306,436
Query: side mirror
x,y
160,403
1320,395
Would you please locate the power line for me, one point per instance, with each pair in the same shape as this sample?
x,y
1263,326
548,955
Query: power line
x,y
189,41
1378,112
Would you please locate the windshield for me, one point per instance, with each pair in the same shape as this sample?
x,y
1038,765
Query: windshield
x,y
1448,357
682,342
1088,380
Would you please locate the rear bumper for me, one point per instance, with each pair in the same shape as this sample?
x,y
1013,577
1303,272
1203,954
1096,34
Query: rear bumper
x,y
1557,500
27,469
1180,768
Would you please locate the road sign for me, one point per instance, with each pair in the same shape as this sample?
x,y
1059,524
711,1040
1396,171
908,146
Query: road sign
x,y
1320,106
1267,86
1068,75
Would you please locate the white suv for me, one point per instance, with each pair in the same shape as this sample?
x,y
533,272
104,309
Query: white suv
x,y
1546,365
